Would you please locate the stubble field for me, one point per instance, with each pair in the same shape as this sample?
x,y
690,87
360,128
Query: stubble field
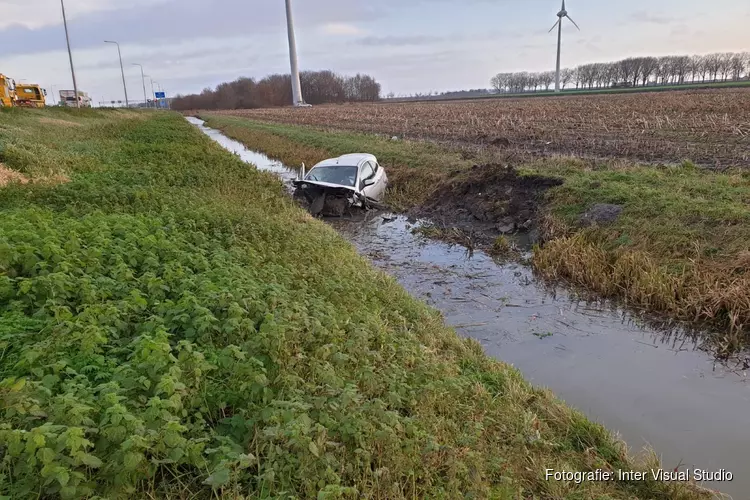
x,y
710,127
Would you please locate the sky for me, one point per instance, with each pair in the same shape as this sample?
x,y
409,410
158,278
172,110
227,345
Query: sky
x,y
408,46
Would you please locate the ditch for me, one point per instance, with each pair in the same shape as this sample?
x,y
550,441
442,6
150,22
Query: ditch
x,y
655,386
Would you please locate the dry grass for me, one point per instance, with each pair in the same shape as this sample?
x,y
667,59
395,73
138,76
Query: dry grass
x,y
709,127
701,292
8,176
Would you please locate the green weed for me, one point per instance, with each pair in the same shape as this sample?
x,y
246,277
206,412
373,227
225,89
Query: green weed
x,y
173,326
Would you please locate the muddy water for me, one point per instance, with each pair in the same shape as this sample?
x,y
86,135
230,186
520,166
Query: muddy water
x,y
654,387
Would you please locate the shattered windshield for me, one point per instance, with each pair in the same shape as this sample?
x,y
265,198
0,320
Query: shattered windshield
x,y
346,176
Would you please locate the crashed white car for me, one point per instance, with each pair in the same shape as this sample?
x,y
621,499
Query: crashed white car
x,y
336,185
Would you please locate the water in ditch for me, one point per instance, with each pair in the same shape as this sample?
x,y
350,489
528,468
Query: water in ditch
x,y
654,387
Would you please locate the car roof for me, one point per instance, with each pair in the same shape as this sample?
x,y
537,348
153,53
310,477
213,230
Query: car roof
x,y
352,159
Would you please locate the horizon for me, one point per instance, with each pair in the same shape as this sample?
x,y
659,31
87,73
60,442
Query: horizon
x,y
416,48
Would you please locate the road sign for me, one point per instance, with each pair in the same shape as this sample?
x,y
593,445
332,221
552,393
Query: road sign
x,y
160,95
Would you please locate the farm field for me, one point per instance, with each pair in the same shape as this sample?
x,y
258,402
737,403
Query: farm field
x,y
172,325
582,91
679,245
708,127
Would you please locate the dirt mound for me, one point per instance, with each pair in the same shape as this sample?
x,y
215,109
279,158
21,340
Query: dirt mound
x,y
488,200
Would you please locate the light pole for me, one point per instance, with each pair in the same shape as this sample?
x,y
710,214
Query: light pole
x,y
70,54
153,94
143,79
122,71
296,86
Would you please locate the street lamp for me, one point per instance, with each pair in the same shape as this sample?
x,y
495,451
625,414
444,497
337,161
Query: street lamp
x,y
150,104
122,71
70,54
143,80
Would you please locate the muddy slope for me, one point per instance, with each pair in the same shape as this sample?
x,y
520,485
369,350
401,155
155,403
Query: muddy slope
x,y
487,201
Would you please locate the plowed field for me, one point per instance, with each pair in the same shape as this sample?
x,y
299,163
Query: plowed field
x,y
709,127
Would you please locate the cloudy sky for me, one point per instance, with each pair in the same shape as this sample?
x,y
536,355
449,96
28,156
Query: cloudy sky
x,y
408,45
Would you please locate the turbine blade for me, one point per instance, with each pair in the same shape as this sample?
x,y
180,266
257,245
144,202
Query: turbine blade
x,y
571,20
563,6
554,26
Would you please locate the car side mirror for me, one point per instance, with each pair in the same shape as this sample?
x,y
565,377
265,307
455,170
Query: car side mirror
x,y
369,182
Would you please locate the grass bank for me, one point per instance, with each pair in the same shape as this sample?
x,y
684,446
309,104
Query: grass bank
x,y
173,326
680,246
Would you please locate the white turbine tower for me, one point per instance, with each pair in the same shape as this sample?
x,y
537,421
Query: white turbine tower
x,y
562,14
296,86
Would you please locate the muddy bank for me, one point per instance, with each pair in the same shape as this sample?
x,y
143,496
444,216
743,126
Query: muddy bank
x,y
486,202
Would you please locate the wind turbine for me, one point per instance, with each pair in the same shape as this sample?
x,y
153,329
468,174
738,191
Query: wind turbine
x,y
562,14
297,100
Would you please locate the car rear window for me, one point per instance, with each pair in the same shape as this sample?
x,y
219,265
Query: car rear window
x,y
337,174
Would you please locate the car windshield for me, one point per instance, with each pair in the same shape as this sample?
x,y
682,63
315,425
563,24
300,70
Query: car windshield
x,y
346,176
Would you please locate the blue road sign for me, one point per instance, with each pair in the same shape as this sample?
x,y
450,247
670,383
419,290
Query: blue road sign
x,y
160,95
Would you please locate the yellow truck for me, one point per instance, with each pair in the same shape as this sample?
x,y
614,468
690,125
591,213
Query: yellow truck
x,y
7,92
30,95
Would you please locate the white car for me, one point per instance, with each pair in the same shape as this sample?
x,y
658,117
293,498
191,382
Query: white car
x,y
336,184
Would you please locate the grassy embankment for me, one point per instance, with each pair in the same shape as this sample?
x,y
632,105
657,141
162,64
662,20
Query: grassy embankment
x,y
172,324
680,247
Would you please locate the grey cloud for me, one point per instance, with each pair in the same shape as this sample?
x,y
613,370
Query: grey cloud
x,y
643,16
395,41
184,19
420,40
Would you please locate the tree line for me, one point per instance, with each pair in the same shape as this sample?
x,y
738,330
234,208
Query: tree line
x,y
634,72
318,87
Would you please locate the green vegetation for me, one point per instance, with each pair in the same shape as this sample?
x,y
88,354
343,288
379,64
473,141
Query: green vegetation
x,y
679,247
173,326
501,247
414,167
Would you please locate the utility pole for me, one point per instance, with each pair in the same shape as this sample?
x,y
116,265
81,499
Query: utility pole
x,y
559,46
70,54
153,94
122,71
143,80
296,85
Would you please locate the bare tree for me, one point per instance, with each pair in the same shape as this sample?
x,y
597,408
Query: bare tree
x,y
675,70
629,69
649,66
738,63
681,68
566,76
501,82
725,65
275,90
548,77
